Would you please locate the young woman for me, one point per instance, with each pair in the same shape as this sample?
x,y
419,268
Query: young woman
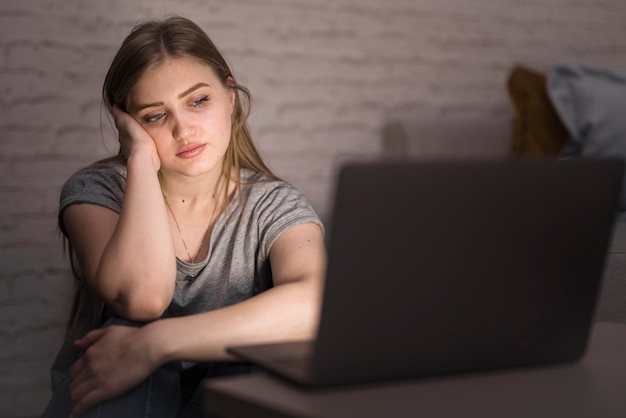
x,y
183,244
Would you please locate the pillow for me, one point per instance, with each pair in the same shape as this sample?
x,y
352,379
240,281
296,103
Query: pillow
x,y
538,130
591,102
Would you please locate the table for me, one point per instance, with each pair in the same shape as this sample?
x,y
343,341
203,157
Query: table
x,y
594,387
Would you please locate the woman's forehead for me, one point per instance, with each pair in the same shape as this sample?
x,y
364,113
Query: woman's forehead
x,y
173,76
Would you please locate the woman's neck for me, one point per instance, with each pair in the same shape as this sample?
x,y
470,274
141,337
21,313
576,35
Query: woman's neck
x,y
193,191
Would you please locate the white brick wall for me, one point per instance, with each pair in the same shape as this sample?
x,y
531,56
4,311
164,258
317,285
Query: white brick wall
x,y
323,74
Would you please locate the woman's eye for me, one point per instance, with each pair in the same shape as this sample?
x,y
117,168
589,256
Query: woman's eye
x,y
201,101
154,118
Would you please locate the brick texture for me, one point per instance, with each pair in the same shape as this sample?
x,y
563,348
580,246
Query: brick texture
x,y
324,75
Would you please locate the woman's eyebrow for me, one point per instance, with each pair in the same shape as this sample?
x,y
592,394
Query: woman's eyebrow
x,y
180,96
192,89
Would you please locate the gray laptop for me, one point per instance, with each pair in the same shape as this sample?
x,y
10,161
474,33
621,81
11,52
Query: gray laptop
x,y
439,267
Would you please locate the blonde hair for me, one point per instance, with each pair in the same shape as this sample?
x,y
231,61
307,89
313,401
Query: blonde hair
x,y
148,45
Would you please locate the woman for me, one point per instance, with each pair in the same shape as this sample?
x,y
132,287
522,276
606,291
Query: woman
x,y
185,243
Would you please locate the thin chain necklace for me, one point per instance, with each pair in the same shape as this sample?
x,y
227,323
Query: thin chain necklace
x,y
180,234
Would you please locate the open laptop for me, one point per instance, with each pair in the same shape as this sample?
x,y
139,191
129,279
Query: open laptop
x,y
440,267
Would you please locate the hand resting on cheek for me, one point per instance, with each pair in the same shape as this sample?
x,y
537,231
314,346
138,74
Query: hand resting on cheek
x,y
133,137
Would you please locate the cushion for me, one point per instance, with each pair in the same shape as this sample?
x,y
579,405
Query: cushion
x,y
591,102
538,130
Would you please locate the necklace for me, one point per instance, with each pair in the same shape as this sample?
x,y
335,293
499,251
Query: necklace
x,y
180,234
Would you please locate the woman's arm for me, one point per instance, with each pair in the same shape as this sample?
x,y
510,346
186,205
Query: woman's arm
x,y
128,259
289,310
120,357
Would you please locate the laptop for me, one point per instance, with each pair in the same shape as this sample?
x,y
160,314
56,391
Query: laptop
x,y
440,267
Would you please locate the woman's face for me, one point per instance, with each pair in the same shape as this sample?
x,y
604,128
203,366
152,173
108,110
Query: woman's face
x,y
187,111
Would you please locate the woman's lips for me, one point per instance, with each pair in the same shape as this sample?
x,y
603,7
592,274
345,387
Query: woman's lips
x,y
190,150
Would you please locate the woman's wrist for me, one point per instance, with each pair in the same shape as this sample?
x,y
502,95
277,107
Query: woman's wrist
x,y
158,342
144,156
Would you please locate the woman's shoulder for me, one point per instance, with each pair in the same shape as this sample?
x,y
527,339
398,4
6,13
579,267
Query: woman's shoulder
x,y
114,171
256,183
112,166
101,183
264,193
248,176
274,205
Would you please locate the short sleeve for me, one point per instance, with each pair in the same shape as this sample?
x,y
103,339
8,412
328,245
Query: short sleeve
x,y
283,208
102,186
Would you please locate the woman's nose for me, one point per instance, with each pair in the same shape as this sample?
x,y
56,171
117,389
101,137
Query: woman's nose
x,y
183,130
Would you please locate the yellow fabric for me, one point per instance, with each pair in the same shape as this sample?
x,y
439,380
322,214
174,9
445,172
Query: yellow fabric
x,y
539,131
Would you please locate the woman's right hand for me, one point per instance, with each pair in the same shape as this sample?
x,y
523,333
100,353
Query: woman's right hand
x,y
133,137
115,359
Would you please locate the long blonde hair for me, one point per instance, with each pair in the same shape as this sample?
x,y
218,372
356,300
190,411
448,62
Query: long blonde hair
x,y
150,44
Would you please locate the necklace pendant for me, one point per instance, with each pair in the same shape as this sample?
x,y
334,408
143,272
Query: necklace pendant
x,y
189,277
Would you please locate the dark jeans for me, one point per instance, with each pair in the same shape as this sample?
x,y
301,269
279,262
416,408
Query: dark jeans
x,y
170,392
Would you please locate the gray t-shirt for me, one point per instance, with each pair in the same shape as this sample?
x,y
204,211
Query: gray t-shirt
x,y
237,265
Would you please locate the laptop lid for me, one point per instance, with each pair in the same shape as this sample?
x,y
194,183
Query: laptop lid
x,y
454,266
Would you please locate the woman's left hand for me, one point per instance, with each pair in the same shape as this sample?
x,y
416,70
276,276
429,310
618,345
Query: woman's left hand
x,y
116,359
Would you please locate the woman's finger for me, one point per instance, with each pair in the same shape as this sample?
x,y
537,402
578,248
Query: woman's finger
x,y
78,389
85,388
132,134
89,338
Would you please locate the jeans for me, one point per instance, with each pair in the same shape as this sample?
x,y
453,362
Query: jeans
x,y
170,392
